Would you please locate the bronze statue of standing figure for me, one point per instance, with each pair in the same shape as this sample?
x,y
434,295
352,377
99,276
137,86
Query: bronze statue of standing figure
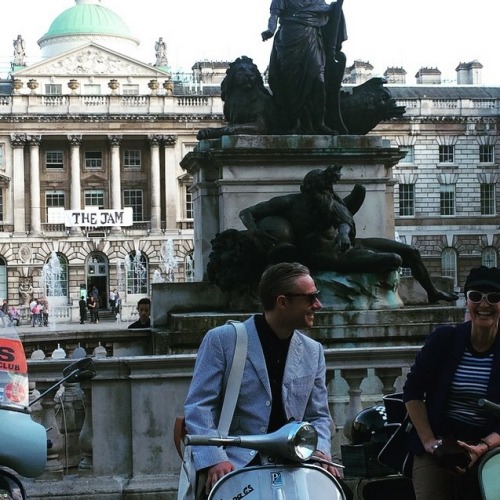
x,y
307,65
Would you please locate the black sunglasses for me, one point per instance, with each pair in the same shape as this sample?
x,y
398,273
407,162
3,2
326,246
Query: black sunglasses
x,y
311,297
476,297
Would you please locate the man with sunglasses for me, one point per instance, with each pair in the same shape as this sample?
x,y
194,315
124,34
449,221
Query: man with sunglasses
x,y
457,366
283,378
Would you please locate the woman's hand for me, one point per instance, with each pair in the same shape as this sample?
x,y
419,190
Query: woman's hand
x,y
475,451
431,445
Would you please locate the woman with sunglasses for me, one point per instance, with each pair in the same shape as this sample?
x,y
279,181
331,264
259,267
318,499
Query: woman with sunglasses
x,y
457,366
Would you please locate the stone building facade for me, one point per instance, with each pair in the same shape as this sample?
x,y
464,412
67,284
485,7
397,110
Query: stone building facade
x,y
91,130
447,192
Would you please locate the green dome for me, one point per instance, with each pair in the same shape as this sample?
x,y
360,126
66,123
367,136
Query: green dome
x,y
87,17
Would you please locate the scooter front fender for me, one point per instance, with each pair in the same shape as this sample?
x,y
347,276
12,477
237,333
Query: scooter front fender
x,y
24,443
274,482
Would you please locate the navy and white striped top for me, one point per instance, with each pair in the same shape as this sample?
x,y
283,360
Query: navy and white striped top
x,y
469,384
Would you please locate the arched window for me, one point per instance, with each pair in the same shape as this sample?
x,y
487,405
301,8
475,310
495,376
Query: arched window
x,y
449,264
55,276
137,273
489,257
3,279
189,267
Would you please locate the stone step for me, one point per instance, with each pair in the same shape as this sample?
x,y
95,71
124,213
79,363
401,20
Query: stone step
x,y
334,329
106,315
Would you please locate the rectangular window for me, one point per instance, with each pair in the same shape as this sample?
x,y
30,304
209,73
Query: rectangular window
x,y
134,198
93,159
1,205
447,199
406,199
91,89
446,154
54,159
486,153
410,154
94,198
488,202
54,199
53,89
130,89
132,158
189,204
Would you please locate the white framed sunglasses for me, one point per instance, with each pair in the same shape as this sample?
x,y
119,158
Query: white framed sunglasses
x,y
476,297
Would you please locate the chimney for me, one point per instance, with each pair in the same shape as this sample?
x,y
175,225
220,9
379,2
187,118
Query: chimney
x,y
395,75
359,72
428,76
469,73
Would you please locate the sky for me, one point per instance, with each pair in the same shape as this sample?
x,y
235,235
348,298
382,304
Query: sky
x,y
404,33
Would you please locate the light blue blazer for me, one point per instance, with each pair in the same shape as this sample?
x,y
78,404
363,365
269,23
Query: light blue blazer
x,y
304,392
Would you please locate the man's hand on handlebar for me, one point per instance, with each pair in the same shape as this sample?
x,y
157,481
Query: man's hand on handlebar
x,y
216,472
334,471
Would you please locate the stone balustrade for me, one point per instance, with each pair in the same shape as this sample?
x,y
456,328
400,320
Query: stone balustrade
x,y
118,427
205,104
112,104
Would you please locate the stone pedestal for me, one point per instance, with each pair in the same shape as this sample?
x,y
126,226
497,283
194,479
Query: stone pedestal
x,y
235,172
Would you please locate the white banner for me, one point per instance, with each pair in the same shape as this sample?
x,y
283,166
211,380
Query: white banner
x,y
98,218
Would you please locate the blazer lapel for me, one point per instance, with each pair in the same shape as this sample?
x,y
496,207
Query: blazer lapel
x,y
294,367
256,355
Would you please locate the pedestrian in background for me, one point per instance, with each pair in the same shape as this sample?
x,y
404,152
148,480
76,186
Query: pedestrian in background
x,y
83,309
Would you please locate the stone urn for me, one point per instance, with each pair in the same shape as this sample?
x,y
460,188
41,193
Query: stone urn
x,y
113,84
168,85
32,85
17,84
73,85
154,86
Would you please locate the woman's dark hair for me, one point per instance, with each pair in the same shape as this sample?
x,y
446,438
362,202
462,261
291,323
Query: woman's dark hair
x,y
279,279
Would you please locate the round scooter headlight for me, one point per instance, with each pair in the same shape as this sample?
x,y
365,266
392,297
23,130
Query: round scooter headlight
x,y
303,440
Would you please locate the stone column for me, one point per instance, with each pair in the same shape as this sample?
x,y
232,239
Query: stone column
x,y
154,144
116,184
76,188
34,147
18,141
116,192
171,188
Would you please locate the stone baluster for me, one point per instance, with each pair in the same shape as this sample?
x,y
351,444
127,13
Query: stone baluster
x,y
54,468
354,378
86,439
372,388
388,377
70,414
338,400
400,381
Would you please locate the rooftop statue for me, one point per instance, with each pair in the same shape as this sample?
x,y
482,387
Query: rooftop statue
x,y
316,228
161,53
19,51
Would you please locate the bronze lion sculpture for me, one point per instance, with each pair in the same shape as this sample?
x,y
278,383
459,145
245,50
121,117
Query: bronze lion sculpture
x,y
248,105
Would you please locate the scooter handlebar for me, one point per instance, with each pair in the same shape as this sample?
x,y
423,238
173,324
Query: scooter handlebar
x,y
201,440
490,406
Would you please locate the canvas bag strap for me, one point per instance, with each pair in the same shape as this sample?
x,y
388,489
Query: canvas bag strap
x,y
234,380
